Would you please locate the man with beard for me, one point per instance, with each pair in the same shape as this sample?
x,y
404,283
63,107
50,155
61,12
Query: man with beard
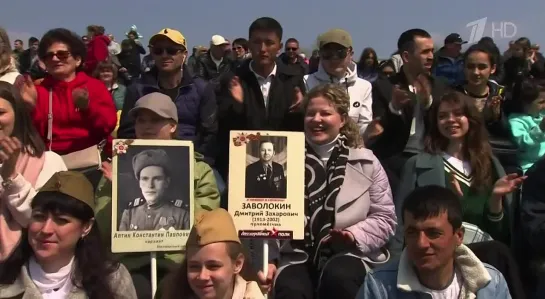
x,y
265,178
401,103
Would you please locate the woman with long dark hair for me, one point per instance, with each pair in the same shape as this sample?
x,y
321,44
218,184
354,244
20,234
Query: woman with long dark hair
x,y
25,168
215,266
457,155
368,65
61,255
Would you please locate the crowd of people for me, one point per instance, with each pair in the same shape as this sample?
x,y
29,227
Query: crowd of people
x,y
423,172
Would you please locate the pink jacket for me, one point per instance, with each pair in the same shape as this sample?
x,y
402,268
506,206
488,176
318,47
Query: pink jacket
x,y
15,203
363,207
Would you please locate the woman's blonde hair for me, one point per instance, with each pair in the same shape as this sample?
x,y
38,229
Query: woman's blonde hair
x,y
7,61
339,98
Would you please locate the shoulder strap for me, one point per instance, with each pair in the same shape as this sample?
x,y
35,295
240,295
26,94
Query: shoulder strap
x,y
50,120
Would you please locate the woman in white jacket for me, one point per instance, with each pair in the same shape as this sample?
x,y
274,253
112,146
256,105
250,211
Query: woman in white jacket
x,y
26,166
337,66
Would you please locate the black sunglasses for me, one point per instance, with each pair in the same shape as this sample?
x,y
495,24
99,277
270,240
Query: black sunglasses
x,y
169,50
333,54
61,55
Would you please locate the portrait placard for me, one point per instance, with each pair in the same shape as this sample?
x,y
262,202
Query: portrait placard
x,y
152,195
266,184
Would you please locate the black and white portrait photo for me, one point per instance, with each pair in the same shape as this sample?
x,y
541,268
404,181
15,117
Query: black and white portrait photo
x,y
266,168
153,188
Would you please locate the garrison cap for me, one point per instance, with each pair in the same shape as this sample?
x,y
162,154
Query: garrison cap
x,y
73,184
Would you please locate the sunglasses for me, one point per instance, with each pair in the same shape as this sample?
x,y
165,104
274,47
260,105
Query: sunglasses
x,y
334,54
169,50
61,55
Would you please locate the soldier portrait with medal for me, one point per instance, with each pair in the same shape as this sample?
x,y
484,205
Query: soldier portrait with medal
x,y
266,178
154,210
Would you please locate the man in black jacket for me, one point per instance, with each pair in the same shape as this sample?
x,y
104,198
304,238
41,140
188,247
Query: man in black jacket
x,y
214,65
291,57
401,102
532,233
262,93
29,56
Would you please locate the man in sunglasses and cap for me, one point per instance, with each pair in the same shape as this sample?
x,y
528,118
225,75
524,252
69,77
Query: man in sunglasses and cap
x,y
336,66
195,99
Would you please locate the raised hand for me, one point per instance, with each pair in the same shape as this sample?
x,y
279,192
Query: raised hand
x,y
297,100
10,150
27,89
236,90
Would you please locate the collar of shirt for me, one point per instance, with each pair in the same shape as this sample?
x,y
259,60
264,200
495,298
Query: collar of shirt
x,y
265,165
114,87
261,78
216,61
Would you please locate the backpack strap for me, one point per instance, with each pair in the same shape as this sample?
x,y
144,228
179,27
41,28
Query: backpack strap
x,y
50,120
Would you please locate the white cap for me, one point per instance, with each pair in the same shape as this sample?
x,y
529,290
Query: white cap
x,y
218,40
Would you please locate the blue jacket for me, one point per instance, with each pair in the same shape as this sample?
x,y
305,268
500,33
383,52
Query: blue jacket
x,y
449,68
397,280
197,111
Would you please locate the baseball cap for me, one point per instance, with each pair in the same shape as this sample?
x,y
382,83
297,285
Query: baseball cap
x,y
218,40
73,184
213,227
157,102
337,36
174,35
454,38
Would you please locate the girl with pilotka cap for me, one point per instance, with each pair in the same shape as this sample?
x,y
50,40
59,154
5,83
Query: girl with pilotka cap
x,y
155,118
215,267
61,255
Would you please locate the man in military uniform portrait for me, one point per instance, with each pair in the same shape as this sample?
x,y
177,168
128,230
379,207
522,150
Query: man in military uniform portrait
x,y
265,178
154,210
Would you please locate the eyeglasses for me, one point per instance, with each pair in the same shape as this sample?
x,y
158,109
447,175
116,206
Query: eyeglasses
x,y
292,49
61,55
170,50
333,54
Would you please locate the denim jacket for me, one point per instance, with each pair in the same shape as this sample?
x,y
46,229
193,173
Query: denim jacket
x,y
399,281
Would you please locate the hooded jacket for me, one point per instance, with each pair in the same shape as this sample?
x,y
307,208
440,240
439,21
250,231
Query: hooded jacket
x,y
74,129
358,89
97,51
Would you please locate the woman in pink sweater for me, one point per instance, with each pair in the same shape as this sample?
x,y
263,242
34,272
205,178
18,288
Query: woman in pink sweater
x,y
25,167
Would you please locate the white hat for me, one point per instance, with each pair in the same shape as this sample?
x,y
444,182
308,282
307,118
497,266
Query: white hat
x,y
218,40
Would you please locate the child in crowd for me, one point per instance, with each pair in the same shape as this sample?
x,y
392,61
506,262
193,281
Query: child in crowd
x,y
528,124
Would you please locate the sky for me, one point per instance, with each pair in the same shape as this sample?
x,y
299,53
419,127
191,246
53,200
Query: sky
x,y
376,24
